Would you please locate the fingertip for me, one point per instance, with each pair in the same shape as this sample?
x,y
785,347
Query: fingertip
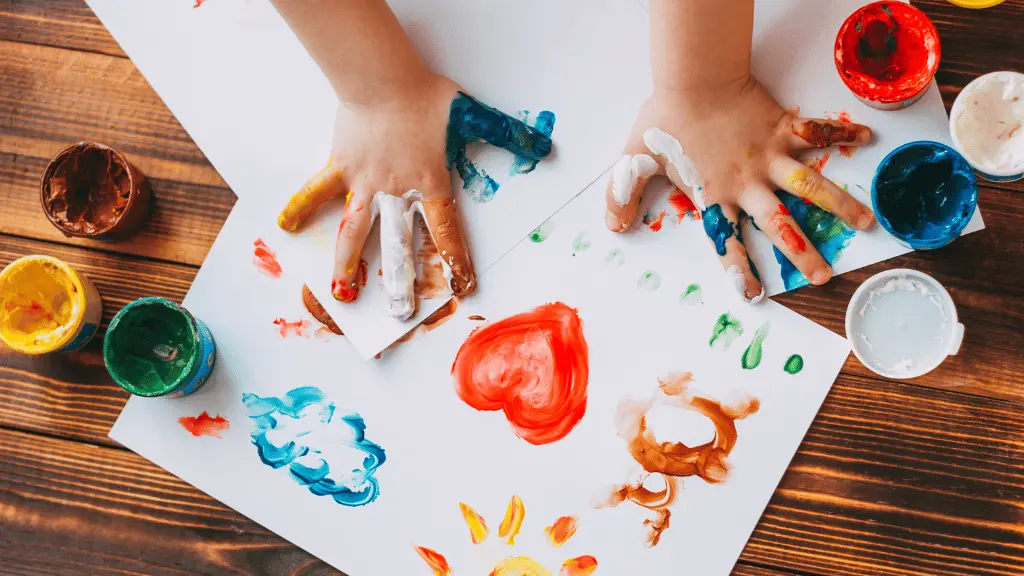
x,y
401,307
614,223
866,220
286,222
344,290
821,276
863,135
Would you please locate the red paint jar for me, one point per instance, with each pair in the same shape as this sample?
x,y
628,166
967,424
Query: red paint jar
x,y
887,54
89,190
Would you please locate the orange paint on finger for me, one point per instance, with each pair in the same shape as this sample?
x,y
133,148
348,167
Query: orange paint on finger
x,y
437,562
683,206
348,292
561,531
793,240
204,424
783,210
818,164
579,566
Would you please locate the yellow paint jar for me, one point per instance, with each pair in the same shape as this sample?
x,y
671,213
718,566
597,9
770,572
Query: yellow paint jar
x,y
46,306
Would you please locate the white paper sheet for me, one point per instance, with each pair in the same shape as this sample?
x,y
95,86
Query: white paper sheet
x,y
440,451
260,109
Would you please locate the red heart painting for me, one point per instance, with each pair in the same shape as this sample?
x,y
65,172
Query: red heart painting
x,y
534,366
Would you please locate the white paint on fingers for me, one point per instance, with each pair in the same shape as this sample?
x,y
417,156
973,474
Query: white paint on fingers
x,y
627,171
398,269
660,143
739,281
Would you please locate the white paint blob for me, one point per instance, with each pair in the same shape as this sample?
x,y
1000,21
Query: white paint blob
x,y
398,268
902,324
661,143
987,123
627,171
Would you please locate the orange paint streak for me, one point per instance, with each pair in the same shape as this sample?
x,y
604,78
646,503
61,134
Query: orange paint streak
x,y
793,240
204,424
818,164
265,259
476,318
297,327
655,526
513,521
561,531
534,366
655,223
783,210
437,562
683,205
579,566
198,3
477,526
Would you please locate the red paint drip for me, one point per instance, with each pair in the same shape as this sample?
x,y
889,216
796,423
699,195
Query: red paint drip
x,y
534,366
887,52
204,424
655,223
265,260
302,328
683,206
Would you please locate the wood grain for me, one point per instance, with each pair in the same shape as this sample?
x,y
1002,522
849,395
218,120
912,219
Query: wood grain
x,y
60,23
53,97
185,221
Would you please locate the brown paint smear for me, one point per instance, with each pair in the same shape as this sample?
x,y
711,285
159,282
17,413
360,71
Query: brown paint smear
x,y
88,191
439,317
673,460
824,134
442,218
318,312
430,281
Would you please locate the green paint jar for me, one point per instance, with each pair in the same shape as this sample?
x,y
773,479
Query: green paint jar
x,y
154,347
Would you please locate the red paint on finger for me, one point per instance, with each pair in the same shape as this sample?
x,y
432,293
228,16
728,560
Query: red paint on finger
x,y
842,116
204,424
793,240
683,206
534,366
349,291
825,134
265,260
783,210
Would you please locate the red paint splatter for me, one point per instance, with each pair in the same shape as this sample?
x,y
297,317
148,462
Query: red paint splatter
x,y
198,3
301,328
655,223
783,210
265,260
534,366
818,164
793,240
683,206
204,424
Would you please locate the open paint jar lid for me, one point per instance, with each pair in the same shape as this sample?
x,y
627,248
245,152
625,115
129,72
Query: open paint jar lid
x,y
902,324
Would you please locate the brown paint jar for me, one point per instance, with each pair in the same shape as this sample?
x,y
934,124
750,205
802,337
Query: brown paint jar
x,y
89,190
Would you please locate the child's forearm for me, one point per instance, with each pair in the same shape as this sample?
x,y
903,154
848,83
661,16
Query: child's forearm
x,y
697,43
359,45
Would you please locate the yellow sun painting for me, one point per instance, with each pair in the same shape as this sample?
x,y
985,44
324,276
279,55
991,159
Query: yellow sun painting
x,y
558,533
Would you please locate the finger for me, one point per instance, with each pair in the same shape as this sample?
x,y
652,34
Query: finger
x,y
442,218
355,225
325,185
470,120
677,165
810,133
398,269
630,176
799,180
773,218
722,225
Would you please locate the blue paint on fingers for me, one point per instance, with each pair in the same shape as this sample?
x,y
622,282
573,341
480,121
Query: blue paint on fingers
x,y
718,227
829,235
545,124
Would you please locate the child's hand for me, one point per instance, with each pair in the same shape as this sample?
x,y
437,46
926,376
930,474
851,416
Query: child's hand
x,y
728,147
392,158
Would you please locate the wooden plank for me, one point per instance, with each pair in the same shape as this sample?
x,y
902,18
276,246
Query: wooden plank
x,y
185,221
53,97
892,479
62,23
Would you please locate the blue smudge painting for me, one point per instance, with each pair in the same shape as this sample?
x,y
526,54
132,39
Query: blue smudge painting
x,y
825,230
545,124
469,121
324,451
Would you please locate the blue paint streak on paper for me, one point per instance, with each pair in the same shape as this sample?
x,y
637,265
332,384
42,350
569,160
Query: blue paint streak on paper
x,y
302,431
829,235
545,124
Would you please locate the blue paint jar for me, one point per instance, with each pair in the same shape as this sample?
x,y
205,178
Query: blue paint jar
x,y
924,194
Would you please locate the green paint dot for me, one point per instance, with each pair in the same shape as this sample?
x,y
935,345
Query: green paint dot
x,y
541,233
615,257
692,294
794,364
649,280
727,328
752,355
580,243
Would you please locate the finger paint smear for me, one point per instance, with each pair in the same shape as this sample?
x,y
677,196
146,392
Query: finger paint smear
x,y
533,366
718,227
558,533
692,295
829,235
265,260
580,243
650,280
543,123
794,364
324,450
204,424
300,328
615,257
727,328
654,221
541,233
670,462
753,354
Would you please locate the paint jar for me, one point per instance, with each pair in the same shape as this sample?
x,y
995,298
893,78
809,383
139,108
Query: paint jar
x,y
887,54
902,324
89,190
154,347
987,125
924,194
978,4
46,306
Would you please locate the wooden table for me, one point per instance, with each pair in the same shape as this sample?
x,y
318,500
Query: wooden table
x,y
903,478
